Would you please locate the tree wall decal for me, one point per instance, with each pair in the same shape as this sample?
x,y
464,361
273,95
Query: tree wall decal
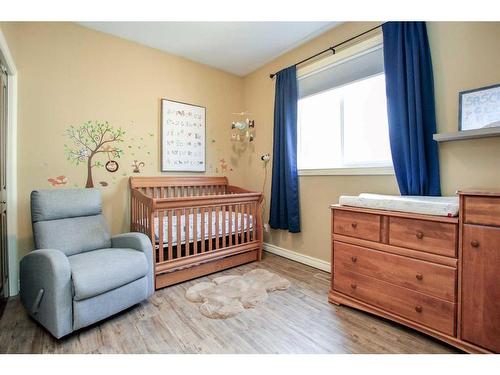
x,y
88,141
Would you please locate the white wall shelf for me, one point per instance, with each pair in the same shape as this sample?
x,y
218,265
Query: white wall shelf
x,y
467,134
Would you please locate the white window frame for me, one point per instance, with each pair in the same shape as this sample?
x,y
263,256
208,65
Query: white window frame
x,y
364,46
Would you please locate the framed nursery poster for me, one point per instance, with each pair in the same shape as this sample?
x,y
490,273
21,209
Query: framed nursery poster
x,y
182,137
479,108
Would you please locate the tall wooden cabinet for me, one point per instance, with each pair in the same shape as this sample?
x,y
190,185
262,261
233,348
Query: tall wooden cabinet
x,y
438,275
479,269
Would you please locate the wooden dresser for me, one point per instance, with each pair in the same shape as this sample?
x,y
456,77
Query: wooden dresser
x,y
406,267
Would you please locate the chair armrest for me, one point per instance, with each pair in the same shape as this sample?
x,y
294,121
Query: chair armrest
x,y
140,242
46,291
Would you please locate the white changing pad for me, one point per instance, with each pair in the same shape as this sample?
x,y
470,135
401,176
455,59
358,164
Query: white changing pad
x,y
440,206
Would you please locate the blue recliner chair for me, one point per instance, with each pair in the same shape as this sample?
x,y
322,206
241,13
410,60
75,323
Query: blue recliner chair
x,y
78,273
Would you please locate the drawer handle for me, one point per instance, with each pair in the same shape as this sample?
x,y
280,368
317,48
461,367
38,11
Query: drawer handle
x,y
420,235
474,243
354,225
419,276
354,259
418,309
354,286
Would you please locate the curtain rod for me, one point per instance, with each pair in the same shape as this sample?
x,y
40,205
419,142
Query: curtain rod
x,y
332,48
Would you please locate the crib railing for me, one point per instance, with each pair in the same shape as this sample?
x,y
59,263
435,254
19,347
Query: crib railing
x,y
172,187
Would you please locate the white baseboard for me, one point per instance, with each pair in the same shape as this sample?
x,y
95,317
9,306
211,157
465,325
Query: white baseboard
x,y
301,258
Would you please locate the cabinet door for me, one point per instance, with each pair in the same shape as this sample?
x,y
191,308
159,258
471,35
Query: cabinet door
x,y
481,286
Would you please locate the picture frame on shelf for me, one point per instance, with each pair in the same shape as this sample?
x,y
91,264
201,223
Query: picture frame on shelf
x,y
479,108
183,137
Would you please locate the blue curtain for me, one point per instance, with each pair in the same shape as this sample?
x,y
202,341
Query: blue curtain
x,y
410,107
284,212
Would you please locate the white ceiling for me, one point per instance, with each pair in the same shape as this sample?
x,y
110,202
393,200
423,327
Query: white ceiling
x,y
236,47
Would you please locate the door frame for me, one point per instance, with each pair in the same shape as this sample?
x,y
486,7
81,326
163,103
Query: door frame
x,y
13,265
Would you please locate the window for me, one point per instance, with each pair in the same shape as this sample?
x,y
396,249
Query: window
x,y
342,116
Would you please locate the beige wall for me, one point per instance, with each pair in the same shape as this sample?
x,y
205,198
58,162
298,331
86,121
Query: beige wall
x,y
69,74
465,56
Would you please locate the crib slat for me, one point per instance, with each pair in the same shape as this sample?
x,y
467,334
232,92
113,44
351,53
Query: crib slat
x,y
230,225
224,223
195,231
202,213
210,229
254,221
187,242
136,212
132,214
137,216
170,250
242,223
217,228
236,212
145,219
178,225
249,211
242,228
141,220
160,235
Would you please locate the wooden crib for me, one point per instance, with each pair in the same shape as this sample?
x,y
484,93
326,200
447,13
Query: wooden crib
x,y
198,225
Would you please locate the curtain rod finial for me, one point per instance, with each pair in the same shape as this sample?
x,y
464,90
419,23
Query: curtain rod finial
x,y
271,76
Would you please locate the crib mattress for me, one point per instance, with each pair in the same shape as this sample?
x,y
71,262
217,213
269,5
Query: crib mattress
x,y
237,223
439,206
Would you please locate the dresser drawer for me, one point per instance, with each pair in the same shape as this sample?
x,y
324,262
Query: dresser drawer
x,y
425,277
357,224
429,236
418,307
482,210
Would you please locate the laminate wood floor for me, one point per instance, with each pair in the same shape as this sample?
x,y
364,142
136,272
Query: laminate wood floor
x,y
299,320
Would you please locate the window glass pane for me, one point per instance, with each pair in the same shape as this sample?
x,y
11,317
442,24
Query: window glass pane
x,y
345,127
366,133
319,130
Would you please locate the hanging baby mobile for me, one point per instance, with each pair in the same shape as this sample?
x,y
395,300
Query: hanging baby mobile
x,y
244,129
88,141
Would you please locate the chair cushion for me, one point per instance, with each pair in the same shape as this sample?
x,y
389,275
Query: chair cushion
x,y
64,203
99,271
73,235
